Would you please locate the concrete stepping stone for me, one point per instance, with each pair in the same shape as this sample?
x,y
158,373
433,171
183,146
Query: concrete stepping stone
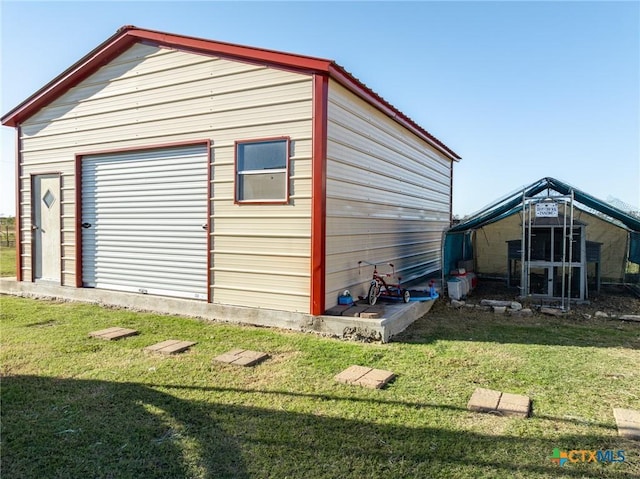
x,y
170,346
505,404
242,357
364,376
628,422
112,334
514,405
484,400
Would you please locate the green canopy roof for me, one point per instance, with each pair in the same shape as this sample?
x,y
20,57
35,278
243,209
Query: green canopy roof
x,y
457,243
512,204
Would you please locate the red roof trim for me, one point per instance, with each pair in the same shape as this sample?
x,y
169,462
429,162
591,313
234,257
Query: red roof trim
x,y
68,79
261,55
128,35
348,81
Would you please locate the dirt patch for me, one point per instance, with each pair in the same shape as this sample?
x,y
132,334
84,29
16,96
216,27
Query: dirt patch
x,y
613,300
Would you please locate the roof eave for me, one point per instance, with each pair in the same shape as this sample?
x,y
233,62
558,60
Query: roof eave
x,y
73,75
128,35
348,81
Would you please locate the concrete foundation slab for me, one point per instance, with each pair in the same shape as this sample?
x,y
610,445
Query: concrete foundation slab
x,y
337,310
395,318
170,346
628,421
113,334
354,311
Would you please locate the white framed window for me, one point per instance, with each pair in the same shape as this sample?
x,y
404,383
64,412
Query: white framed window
x,y
262,170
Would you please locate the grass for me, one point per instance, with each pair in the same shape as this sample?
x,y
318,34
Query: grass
x,y
7,261
73,406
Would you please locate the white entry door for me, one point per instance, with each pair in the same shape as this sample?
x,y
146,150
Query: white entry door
x,y
46,228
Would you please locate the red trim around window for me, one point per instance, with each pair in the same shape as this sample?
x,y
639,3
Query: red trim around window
x,y
319,193
283,201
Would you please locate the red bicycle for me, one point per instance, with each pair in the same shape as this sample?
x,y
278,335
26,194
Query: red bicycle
x,y
379,287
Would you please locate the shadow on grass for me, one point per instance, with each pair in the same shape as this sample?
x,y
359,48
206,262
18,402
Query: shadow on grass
x,y
84,428
445,323
355,399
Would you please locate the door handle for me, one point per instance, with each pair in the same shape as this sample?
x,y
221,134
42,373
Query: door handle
x,y
34,227
86,225
205,227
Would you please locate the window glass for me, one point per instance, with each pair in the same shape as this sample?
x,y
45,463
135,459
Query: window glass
x,y
262,156
262,170
269,186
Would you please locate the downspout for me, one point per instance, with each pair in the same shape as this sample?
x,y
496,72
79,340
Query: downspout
x,y
451,195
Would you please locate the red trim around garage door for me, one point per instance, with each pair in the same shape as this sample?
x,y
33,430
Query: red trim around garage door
x,y
78,195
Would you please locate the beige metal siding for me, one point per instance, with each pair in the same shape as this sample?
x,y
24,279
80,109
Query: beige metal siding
x,y
388,196
151,96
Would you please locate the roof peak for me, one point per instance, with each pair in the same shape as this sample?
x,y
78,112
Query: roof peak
x,y
127,35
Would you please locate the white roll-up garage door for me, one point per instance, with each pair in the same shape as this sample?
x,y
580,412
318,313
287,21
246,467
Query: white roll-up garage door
x,y
144,217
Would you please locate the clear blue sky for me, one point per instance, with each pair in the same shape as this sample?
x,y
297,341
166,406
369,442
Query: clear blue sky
x,y
521,90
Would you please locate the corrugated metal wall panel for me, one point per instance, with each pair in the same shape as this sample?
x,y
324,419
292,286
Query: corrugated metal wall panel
x,y
389,168
357,243
239,102
390,142
388,197
146,234
152,96
245,83
276,299
154,127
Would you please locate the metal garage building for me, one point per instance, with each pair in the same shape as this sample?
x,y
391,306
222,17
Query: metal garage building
x,y
169,165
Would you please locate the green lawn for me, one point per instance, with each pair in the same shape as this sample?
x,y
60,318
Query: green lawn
x,y
7,261
73,406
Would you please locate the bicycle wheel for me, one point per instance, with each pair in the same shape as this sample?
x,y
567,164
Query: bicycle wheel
x,y
406,296
374,292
